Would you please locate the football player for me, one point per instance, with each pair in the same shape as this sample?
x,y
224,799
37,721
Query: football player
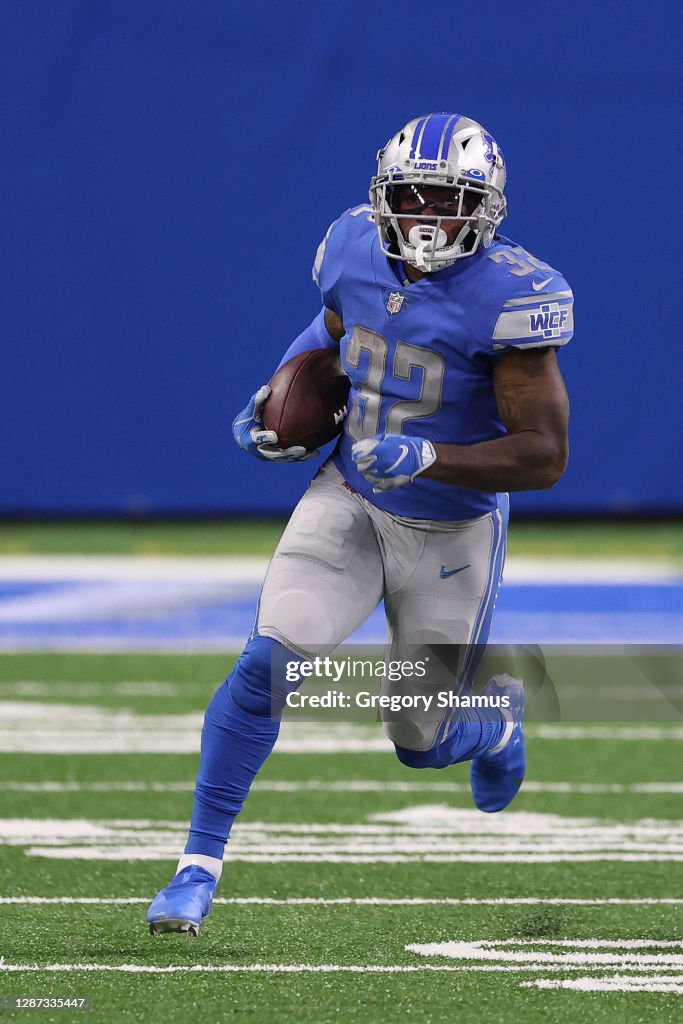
x,y
449,333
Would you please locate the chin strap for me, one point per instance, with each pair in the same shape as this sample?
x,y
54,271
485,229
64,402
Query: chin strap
x,y
419,257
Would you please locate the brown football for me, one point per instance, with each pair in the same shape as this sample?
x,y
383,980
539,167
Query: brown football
x,y
308,399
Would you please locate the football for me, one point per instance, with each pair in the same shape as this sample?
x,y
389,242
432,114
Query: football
x,y
308,400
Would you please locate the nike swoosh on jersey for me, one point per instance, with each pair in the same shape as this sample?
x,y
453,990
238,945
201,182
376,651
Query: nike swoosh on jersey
x,y
444,574
538,285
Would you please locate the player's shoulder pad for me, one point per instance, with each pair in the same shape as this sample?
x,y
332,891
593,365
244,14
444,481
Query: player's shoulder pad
x,y
355,221
532,303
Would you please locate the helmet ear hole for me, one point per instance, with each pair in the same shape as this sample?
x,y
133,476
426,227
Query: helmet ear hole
x,y
469,241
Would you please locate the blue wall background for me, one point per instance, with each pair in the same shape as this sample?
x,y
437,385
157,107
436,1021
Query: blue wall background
x,y
169,167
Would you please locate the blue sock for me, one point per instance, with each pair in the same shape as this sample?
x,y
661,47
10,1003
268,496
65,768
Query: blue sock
x,y
240,729
470,736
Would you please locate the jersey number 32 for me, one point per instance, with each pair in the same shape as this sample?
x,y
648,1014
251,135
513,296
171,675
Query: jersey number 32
x,y
424,368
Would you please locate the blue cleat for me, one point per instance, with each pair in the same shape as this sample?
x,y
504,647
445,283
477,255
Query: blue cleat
x,y
184,904
496,776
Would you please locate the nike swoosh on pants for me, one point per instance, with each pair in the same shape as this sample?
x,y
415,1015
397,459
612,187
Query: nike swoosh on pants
x,y
451,572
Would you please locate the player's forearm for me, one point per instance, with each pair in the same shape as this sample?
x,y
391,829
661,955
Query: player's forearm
x,y
316,335
525,461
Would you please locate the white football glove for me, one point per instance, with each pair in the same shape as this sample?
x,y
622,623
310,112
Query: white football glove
x,y
252,437
392,460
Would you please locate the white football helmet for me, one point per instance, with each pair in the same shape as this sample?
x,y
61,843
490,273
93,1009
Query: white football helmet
x,y
460,158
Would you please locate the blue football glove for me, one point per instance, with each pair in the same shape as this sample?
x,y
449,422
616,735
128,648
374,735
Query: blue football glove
x,y
392,460
251,435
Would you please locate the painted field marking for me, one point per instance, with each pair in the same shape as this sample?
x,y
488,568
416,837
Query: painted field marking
x,y
620,952
280,968
609,957
672,983
628,733
33,726
145,688
260,968
125,688
657,983
357,901
47,728
124,568
118,603
426,833
348,786
252,569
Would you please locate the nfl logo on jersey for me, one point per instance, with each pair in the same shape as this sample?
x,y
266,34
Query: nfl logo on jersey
x,y
395,302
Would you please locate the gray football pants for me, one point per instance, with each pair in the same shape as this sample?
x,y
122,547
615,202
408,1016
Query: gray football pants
x,y
340,555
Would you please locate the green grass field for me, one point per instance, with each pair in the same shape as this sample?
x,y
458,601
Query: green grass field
x,y
589,539
102,809
566,908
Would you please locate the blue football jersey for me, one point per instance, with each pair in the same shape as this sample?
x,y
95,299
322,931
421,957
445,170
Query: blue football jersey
x,y
420,357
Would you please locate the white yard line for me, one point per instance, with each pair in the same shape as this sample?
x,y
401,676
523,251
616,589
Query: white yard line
x,y
654,695
597,943
288,968
627,733
357,855
360,901
307,968
603,959
126,568
252,569
425,833
351,786
145,688
672,983
581,951
54,728
255,968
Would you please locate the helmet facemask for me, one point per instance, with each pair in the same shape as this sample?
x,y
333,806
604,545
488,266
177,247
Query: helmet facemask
x,y
476,205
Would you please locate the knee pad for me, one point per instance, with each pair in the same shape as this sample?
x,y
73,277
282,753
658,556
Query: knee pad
x,y
258,683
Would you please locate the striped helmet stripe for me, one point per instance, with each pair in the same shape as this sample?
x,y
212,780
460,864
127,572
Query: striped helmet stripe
x,y
430,144
447,136
415,148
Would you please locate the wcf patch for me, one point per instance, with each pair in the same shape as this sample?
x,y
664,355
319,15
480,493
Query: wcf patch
x,y
548,320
